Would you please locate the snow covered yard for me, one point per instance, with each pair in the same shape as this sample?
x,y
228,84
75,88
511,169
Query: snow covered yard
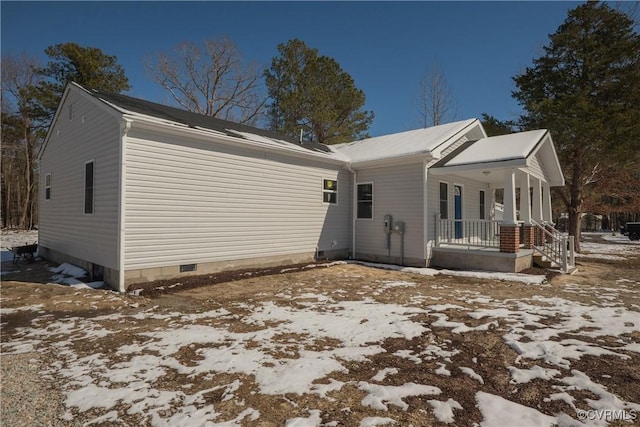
x,y
349,345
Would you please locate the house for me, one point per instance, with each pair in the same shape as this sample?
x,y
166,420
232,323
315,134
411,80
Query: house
x,y
136,191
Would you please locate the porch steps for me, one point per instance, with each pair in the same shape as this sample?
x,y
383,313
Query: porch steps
x,y
542,261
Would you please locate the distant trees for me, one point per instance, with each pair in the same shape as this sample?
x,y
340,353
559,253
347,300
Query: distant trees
x,y
495,127
435,100
87,66
585,90
210,79
312,94
30,96
21,133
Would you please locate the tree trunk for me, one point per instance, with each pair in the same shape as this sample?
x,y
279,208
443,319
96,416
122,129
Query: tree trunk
x,y
574,226
26,220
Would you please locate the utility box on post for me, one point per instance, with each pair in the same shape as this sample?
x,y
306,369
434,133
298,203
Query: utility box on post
x,y
388,224
398,227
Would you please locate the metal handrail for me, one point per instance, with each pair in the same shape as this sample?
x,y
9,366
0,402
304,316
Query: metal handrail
x,y
559,248
477,233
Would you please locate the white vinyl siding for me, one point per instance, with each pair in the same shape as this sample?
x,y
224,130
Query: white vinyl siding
x,y
63,226
397,191
190,201
535,167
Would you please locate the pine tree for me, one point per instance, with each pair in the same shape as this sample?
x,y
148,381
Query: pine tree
x,y
87,66
313,94
585,90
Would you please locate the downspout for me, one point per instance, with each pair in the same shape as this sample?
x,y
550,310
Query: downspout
x,y
354,210
125,126
425,217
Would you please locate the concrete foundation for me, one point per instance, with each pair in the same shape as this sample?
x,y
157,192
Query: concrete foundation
x,y
96,271
173,271
464,259
396,260
110,276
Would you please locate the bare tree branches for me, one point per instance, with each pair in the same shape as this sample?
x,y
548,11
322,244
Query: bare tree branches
x,y
435,100
211,79
20,139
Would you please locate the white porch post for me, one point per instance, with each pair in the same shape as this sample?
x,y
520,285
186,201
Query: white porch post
x,y
525,198
536,213
509,231
509,217
546,203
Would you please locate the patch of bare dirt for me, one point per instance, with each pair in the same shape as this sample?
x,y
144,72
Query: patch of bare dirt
x,y
483,351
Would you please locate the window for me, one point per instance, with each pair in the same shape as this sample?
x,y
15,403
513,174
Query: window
x,y
444,200
482,205
88,187
330,191
365,201
70,112
47,186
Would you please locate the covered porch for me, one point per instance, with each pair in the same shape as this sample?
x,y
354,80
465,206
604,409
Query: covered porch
x,y
525,167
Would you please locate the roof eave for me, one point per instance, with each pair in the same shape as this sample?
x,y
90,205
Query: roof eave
x,y
393,160
501,164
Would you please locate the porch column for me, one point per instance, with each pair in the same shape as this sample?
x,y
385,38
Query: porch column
x,y
525,211
536,211
546,203
546,209
509,232
525,198
509,216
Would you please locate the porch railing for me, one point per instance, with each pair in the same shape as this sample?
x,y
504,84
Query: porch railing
x,y
476,233
556,247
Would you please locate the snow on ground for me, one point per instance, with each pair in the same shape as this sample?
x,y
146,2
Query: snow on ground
x,y
490,275
297,349
443,411
11,238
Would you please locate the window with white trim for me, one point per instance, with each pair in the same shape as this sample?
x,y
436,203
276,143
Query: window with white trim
x,y
444,200
88,187
330,191
365,201
482,205
47,186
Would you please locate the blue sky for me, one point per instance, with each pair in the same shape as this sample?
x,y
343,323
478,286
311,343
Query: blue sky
x,y
384,46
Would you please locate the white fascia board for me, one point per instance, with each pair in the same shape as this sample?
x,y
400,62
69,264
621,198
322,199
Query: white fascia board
x,y
503,164
395,160
436,151
555,167
177,129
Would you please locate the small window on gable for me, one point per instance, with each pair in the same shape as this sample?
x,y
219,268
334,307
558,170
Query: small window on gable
x,y
71,111
365,201
444,200
88,187
482,205
47,186
330,191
